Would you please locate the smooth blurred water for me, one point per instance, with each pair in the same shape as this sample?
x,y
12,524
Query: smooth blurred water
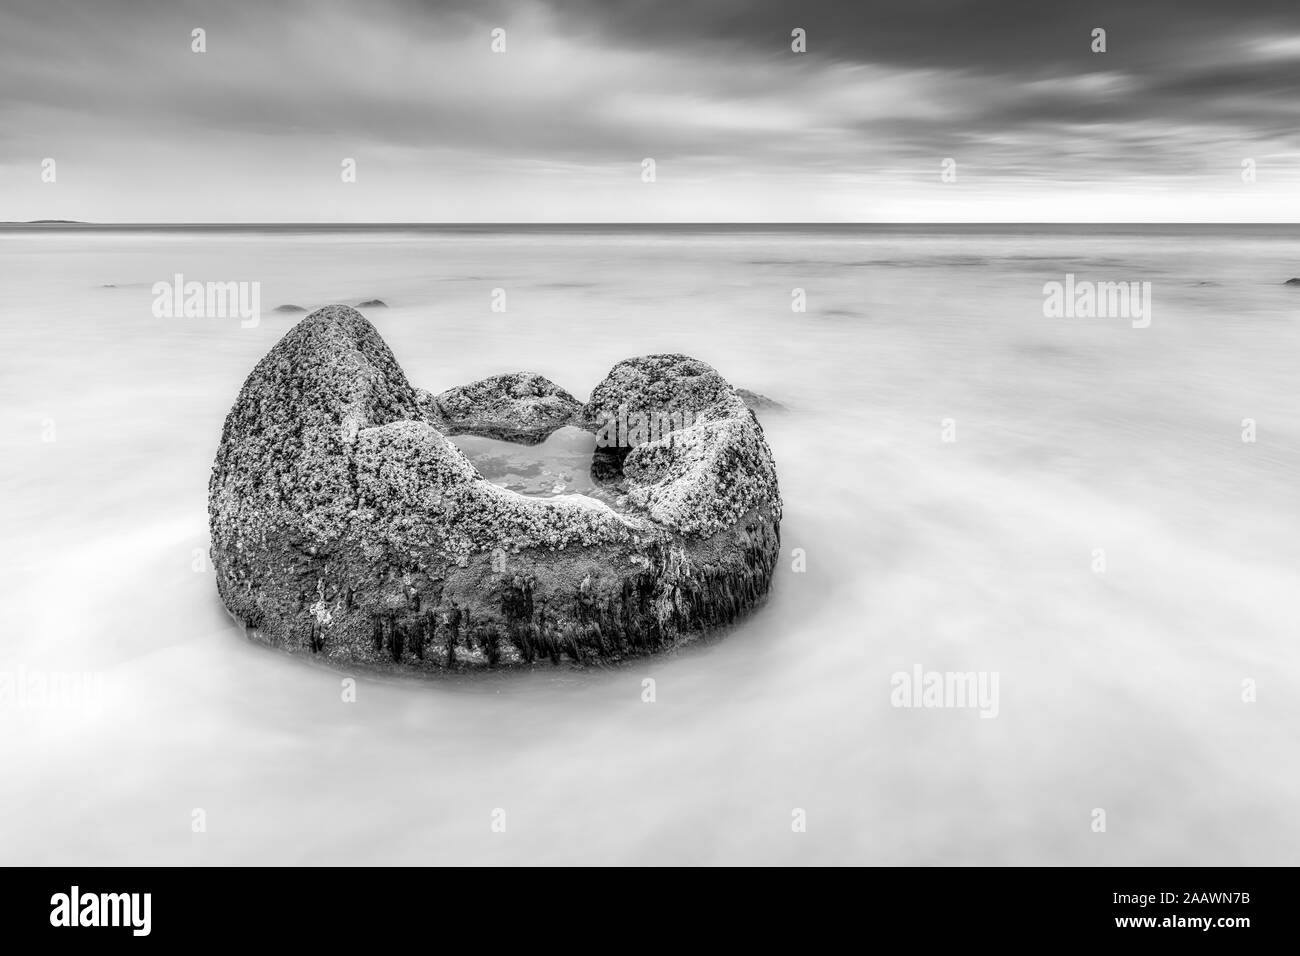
x,y
1120,690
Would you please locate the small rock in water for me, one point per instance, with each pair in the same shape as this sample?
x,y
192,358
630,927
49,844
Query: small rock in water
x,y
373,304
289,308
757,402
1292,282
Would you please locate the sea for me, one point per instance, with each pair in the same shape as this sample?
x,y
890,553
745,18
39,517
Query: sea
x,y
1097,515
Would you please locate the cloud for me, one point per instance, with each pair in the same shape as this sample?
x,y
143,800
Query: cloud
x,y
587,89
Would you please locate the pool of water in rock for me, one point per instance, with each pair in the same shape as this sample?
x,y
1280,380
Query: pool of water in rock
x,y
560,465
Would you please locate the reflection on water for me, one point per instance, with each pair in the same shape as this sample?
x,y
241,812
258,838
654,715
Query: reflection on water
x,y
560,465
1119,690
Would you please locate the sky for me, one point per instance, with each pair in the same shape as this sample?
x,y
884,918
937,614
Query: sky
x,y
1192,113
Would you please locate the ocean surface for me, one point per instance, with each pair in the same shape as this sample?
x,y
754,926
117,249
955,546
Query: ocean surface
x,y
1067,503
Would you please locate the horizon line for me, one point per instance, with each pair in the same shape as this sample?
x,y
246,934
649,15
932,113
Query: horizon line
x,y
636,225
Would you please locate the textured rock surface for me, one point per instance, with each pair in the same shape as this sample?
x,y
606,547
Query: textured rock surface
x,y
522,407
345,523
672,383
700,477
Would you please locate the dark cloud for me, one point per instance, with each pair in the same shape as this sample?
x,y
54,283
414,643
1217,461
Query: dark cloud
x,y
886,89
1006,37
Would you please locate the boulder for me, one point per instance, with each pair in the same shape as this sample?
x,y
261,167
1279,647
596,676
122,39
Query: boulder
x,y
521,407
347,525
